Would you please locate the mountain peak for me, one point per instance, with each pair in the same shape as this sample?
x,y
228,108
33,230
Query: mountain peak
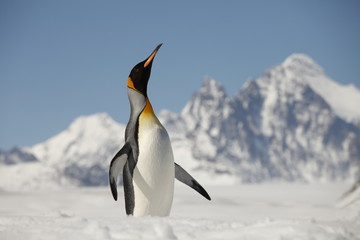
x,y
93,117
343,99
211,87
209,100
302,64
97,119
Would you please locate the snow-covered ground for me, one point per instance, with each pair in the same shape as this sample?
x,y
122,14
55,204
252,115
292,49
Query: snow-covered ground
x,y
264,211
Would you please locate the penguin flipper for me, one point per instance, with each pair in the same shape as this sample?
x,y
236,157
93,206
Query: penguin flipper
x,y
186,178
116,167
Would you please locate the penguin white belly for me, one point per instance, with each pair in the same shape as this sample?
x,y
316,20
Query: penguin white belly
x,y
154,174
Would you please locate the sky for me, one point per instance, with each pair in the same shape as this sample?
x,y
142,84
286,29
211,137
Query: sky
x,y
64,59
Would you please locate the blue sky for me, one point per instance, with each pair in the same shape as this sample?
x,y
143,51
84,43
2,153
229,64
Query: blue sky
x,y
63,59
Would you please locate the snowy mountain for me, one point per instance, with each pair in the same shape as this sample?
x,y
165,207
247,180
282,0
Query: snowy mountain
x,y
276,127
293,123
344,100
15,156
77,156
79,152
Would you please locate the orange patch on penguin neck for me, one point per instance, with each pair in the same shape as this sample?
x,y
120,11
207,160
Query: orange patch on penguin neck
x,y
148,117
148,108
130,84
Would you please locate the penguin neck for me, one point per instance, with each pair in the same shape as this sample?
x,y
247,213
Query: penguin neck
x,y
148,110
137,104
140,108
147,117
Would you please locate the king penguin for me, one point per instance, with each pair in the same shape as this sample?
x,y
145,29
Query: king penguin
x,y
146,160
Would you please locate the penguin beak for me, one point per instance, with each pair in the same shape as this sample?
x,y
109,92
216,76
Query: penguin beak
x,y
151,57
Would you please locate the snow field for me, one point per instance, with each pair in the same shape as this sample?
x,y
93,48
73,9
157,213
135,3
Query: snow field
x,y
264,211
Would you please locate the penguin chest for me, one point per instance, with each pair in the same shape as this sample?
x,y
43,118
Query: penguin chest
x,y
154,174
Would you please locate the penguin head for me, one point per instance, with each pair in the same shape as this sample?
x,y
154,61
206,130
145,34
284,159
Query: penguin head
x,y
140,74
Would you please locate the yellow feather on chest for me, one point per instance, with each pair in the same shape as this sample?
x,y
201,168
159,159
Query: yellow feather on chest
x,y
147,117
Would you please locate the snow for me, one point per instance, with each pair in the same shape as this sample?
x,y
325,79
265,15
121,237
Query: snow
x,y
343,99
85,136
265,211
269,105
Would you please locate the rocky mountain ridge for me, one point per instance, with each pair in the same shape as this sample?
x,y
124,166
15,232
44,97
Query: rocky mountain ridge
x,y
285,125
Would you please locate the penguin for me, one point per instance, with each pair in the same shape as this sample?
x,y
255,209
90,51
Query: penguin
x,y
146,160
